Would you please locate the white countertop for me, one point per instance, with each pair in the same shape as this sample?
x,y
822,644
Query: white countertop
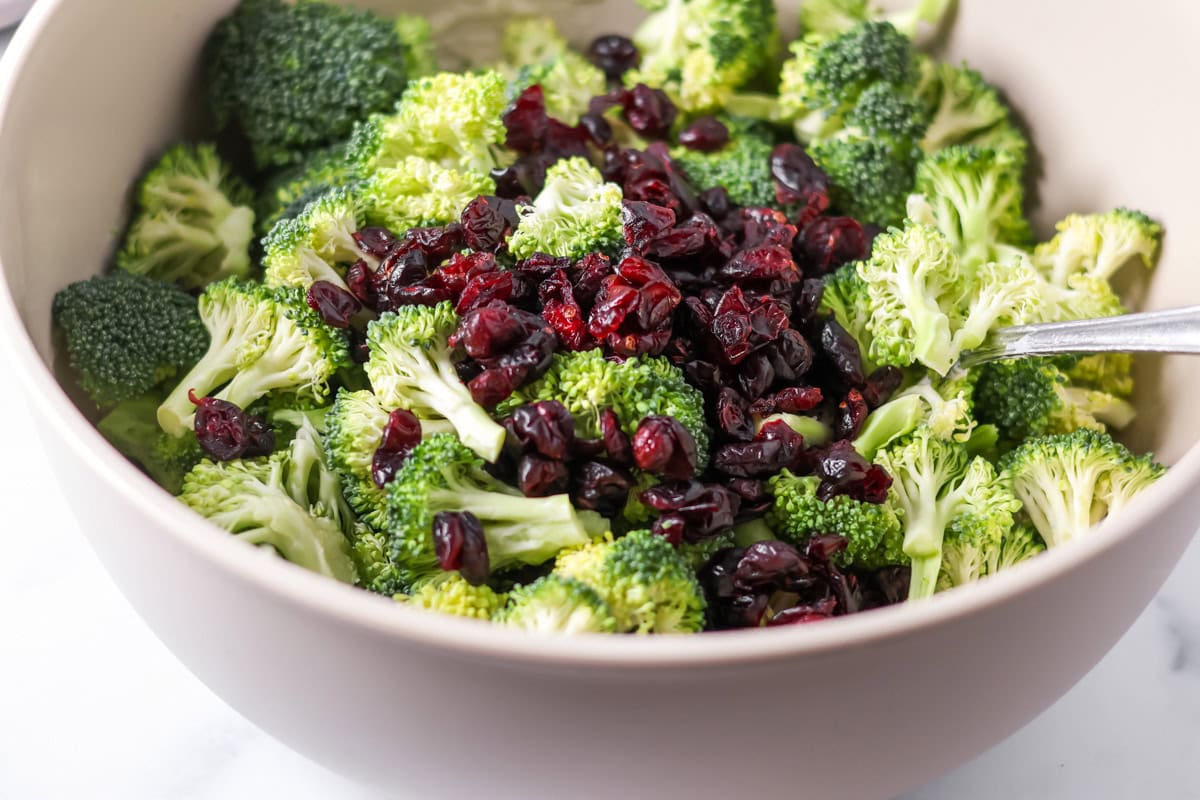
x,y
93,706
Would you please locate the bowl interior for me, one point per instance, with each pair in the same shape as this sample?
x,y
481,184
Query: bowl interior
x,y
1083,98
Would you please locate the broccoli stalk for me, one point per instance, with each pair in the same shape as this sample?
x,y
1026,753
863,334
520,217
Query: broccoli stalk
x,y
576,213
193,224
411,366
557,604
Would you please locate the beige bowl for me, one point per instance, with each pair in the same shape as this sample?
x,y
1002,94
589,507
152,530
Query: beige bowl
x,y
861,707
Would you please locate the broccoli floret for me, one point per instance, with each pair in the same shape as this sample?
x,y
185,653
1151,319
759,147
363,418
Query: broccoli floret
x,y
974,196
249,499
411,366
531,40
557,604
923,307
742,167
648,585
126,334
376,571
873,531
569,82
972,552
1098,245
419,191
455,120
415,35
288,192
132,428
822,19
296,77
1084,297
193,223
1033,397
316,245
587,383
845,296
1111,373
1069,482
449,593
967,110
697,554
441,474
262,341
313,483
937,486
576,213
702,51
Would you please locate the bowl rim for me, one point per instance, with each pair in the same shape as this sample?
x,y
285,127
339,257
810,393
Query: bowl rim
x,y
382,616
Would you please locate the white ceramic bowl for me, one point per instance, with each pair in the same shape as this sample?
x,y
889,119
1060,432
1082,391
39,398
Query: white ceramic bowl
x,y
861,707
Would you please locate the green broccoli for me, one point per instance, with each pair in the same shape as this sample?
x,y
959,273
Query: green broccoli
x,y
1084,297
1098,245
874,532
127,334
587,383
844,295
262,341
449,593
411,366
530,40
193,222
1033,397
452,119
974,196
702,51
576,213
249,499
937,486
568,80
287,193
649,586
371,553
966,110
557,604
697,554
1069,482
312,482
442,474
317,244
420,191
971,552
823,19
296,77
742,166
1111,373
132,428
415,35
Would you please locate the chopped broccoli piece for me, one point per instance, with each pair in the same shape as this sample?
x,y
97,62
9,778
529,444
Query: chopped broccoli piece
x,y
249,499
316,245
419,191
1098,245
1033,397
1084,297
557,604
262,341
742,167
874,532
312,482
587,383
971,552
288,192
127,334
648,585
822,19
975,198
132,428
702,51
922,307
449,593
569,82
576,213
441,474
296,77
415,35
455,120
1111,373
411,366
193,222
937,486
531,40
967,110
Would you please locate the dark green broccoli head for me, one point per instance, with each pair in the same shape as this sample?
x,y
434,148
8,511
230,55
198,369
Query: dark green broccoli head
x,y
296,77
126,334
287,193
869,179
743,166
846,65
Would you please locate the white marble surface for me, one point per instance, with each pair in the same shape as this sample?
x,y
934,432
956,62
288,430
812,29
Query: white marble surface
x,y
93,706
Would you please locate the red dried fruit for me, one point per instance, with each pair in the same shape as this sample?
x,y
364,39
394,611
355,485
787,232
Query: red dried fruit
x,y
662,446
648,111
545,427
335,305
526,122
613,54
459,544
799,182
226,432
706,134
644,222
829,242
538,476
563,313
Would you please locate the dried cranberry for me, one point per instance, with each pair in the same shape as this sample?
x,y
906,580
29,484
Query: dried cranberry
x,y
881,385
716,202
755,375
613,54
792,400
670,527
696,237
799,181
844,471
563,313
544,427
601,487
402,431
483,290
808,303
759,264
649,111
587,277
732,416
762,227
386,463
538,476
523,178
841,349
706,134
767,565
437,243
487,221
662,446
705,509
797,615
459,544
335,305
225,432
489,331
616,442
597,128
526,121
775,447
493,386
361,281
644,222
851,414
375,241
829,242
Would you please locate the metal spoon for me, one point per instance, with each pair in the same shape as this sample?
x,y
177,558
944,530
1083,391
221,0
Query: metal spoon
x,y
1174,330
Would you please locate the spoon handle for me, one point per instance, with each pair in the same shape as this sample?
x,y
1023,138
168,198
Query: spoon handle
x,y
1174,330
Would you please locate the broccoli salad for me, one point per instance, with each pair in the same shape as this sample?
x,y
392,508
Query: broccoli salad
x,y
656,335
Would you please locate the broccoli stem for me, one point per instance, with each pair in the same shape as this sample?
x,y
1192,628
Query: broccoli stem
x,y
891,421
525,529
924,576
274,369
435,383
218,366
